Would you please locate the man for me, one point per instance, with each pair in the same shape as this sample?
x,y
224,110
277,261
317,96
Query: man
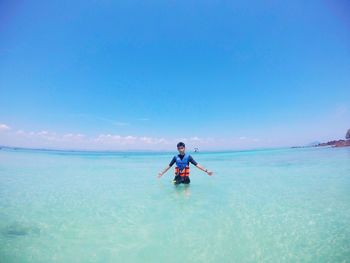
x,y
182,169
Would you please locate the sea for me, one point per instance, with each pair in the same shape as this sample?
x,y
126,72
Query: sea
x,y
267,205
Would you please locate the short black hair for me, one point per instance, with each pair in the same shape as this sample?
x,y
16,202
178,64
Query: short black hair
x,y
180,144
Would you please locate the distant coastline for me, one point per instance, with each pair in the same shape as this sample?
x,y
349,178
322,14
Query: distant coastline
x,y
334,143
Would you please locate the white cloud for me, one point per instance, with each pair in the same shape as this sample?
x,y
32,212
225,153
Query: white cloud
x,y
73,136
124,140
4,127
150,140
110,141
43,133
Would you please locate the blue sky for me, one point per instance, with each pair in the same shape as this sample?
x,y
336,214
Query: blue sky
x,y
145,74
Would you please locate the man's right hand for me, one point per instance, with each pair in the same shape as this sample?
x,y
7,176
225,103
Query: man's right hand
x,y
160,174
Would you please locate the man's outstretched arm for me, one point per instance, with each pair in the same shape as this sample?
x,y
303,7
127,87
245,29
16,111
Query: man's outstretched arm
x,y
164,171
204,170
200,167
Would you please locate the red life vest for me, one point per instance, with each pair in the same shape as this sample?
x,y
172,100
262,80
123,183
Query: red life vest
x,y
184,172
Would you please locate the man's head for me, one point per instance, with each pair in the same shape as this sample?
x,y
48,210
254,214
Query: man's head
x,y
181,148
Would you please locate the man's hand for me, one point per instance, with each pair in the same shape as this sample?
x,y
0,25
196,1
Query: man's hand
x,y
210,173
160,174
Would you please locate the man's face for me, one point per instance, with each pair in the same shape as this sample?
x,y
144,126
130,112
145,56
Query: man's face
x,y
181,150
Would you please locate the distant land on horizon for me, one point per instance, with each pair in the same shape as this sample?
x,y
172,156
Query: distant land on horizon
x,y
337,143
333,143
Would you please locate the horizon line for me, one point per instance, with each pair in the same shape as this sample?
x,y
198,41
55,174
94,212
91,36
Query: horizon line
x,y
143,150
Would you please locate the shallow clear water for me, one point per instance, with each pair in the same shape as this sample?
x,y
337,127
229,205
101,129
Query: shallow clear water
x,y
288,205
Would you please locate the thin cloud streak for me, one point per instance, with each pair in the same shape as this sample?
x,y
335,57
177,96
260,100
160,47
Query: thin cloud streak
x,y
100,119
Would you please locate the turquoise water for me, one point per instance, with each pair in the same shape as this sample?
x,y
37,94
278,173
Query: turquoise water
x,y
287,205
